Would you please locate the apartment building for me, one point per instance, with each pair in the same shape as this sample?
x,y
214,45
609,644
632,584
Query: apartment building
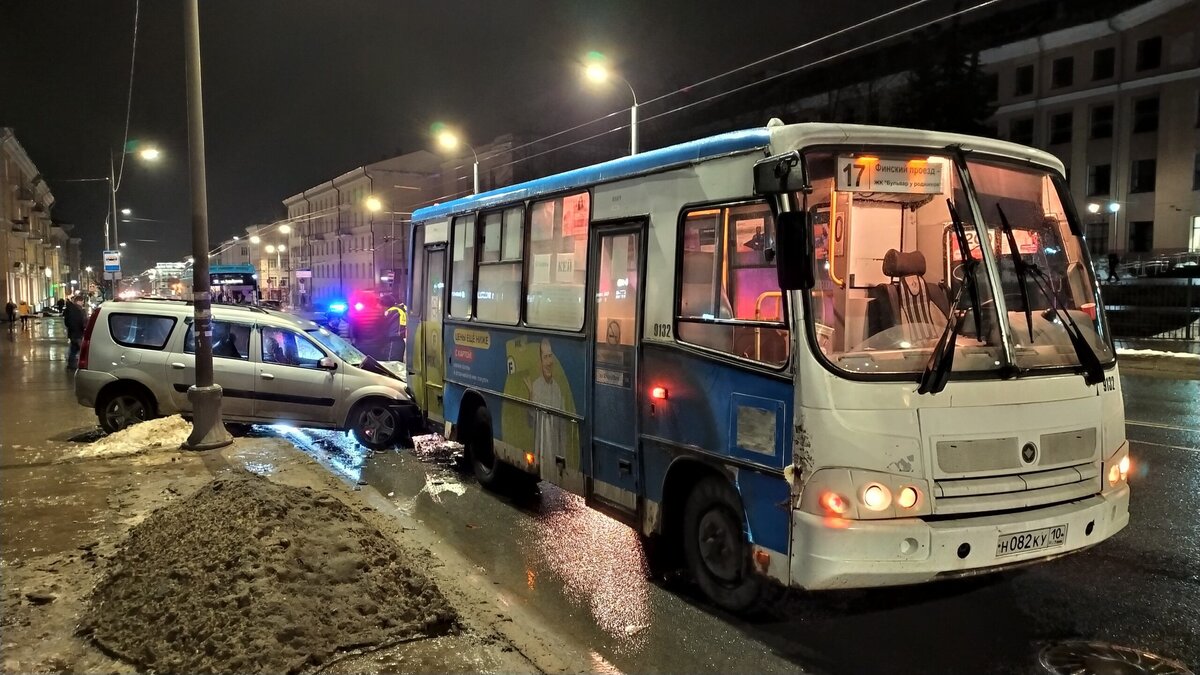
x,y
35,252
1118,101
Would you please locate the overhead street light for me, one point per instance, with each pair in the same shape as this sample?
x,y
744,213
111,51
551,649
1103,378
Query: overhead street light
x,y
255,239
597,71
450,141
374,205
285,228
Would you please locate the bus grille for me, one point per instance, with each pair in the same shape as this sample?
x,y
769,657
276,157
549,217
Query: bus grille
x,y
1015,491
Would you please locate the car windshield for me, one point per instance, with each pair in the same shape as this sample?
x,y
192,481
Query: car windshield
x,y
890,269
345,351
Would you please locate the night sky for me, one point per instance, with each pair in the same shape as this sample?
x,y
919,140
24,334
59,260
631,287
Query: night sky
x,y
297,92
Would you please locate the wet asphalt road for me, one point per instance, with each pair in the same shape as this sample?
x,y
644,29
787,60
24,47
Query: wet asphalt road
x,y
585,573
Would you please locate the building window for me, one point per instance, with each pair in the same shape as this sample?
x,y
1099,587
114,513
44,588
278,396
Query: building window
x,y
1141,236
1149,53
1196,171
1194,241
1023,82
1020,130
1060,128
1102,121
1099,179
1145,114
1142,177
1104,63
991,85
1097,239
1062,72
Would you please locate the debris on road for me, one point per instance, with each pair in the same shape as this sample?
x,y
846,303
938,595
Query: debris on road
x,y
247,575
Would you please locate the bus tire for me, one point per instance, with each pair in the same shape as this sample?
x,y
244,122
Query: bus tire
x,y
716,549
487,467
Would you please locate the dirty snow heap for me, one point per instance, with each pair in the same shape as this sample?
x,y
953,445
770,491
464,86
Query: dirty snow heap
x,y
249,576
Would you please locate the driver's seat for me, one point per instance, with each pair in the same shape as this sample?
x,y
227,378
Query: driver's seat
x,y
912,301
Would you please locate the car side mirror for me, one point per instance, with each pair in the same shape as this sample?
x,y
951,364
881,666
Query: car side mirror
x,y
327,363
794,251
781,174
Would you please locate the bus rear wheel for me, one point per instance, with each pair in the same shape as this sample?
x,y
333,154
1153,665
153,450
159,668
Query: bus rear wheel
x,y
716,549
491,472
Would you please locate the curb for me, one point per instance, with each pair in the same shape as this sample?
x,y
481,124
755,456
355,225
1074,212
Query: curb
x,y
1179,366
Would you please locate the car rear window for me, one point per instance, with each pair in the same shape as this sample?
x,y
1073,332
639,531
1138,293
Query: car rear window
x,y
147,331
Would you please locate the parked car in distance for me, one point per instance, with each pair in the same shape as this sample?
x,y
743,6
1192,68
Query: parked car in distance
x,y
138,362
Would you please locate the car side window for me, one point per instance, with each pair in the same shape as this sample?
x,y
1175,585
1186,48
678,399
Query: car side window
x,y
229,340
289,348
140,330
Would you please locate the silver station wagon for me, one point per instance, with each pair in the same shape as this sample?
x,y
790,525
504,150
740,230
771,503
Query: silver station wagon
x,y
138,362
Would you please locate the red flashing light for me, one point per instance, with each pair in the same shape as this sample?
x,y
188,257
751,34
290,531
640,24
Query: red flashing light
x,y
358,307
659,393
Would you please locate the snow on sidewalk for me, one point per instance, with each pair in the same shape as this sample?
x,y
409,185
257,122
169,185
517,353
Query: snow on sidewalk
x,y
164,432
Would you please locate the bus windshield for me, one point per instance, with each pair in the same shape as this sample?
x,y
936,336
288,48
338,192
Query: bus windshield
x,y
890,267
893,273
345,351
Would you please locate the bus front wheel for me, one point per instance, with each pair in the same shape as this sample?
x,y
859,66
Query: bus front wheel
x,y
716,549
481,450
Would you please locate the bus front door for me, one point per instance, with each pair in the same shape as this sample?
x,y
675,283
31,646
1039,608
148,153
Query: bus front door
x,y
615,465
428,347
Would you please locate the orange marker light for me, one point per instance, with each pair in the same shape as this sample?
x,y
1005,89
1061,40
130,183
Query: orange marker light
x,y
659,393
529,458
833,503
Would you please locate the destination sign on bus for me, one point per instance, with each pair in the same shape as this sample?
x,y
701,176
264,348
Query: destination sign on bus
x,y
872,174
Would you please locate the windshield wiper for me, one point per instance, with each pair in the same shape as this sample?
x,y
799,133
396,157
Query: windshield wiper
x,y
937,370
1093,371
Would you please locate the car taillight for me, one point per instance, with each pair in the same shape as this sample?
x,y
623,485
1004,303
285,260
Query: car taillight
x,y
87,340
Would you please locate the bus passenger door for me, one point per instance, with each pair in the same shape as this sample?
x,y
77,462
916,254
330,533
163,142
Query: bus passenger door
x,y
427,347
615,465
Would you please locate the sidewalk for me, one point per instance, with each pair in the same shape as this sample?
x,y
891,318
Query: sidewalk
x,y
1180,365
78,517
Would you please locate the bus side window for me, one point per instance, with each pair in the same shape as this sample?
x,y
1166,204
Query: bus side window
x,y
462,267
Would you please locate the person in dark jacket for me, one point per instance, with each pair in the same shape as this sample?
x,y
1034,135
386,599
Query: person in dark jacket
x,y
74,318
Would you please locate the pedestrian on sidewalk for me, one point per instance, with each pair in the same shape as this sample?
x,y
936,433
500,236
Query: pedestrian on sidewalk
x,y
25,311
10,311
74,319
1113,261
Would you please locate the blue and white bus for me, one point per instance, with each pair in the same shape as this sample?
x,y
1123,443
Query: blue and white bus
x,y
234,284
814,355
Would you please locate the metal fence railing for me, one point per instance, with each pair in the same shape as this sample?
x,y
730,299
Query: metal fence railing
x,y
1158,311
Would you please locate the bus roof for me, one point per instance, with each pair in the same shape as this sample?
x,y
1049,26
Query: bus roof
x,y
655,160
734,142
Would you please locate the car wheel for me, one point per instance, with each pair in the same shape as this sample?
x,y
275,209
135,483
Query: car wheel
x,y
716,549
121,409
375,425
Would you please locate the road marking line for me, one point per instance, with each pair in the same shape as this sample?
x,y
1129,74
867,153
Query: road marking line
x,y
1162,445
1157,425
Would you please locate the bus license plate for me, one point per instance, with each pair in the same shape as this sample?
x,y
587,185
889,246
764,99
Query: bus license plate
x,y
1033,540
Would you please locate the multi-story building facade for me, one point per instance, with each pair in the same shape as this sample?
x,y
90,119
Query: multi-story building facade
x,y
32,254
351,232
1118,101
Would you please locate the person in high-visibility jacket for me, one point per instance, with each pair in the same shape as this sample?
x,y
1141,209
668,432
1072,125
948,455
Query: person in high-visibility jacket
x,y
397,328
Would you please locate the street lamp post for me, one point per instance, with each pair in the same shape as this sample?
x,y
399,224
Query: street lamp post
x,y
208,430
597,72
450,141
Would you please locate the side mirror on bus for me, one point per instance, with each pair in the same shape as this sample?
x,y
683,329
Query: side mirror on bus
x,y
781,174
793,251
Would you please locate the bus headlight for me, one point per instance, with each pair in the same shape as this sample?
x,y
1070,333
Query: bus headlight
x,y
1116,468
864,495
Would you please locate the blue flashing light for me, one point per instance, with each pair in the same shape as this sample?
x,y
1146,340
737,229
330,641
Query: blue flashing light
x,y
337,307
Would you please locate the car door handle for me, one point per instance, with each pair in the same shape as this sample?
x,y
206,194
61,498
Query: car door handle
x,y
178,366
267,376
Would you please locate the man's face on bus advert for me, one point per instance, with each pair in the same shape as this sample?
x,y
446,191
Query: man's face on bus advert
x,y
547,360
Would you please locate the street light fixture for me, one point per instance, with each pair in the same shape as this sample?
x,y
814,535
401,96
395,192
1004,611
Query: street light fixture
x,y
596,71
285,228
450,141
255,239
374,205
126,212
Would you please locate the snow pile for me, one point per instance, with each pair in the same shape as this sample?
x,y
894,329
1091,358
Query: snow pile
x,y
164,432
249,576
1154,353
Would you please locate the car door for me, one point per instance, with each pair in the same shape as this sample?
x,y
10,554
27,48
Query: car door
x,y
232,368
291,385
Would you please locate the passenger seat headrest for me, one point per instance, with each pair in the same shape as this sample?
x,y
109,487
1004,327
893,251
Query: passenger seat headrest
x,y
899,264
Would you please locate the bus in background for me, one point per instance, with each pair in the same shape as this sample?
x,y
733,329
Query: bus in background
x,y
813,355
234,284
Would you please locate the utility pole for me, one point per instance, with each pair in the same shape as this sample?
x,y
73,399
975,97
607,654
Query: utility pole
x,y
208,430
